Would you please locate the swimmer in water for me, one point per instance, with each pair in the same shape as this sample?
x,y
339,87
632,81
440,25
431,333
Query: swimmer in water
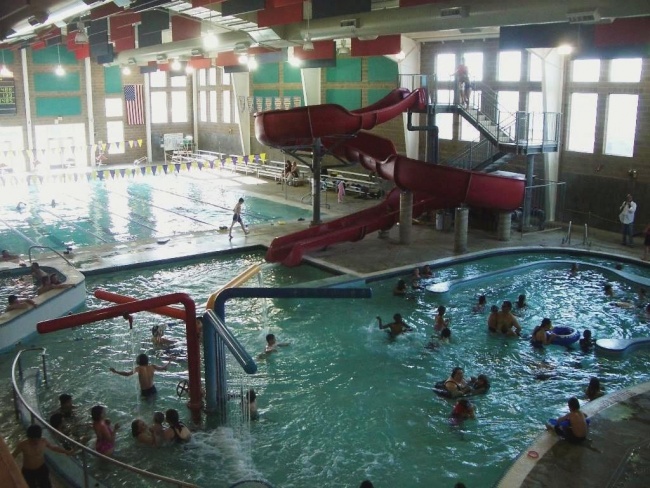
x,y
480,306
145,373
492,318
157,333
441,322
400,290
272,344
396,327
541,336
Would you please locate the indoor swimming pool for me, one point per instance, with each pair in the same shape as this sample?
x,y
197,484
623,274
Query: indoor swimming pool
x,y
342,402
90,213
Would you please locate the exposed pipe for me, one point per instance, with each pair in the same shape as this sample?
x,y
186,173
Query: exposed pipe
x,y
193,354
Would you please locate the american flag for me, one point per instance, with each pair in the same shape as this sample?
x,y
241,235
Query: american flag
x,y
134,105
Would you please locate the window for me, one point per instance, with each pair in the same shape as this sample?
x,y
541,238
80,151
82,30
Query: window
x,y
115,133
226,106
508,101
625,70
158,107
474,63
445,123
202,77
582,122
445,67
225,80
113,107
179,106
203,106
509,68
445,97
467,131
585,70
535,65
212,77
213,106
621,125
158,79
179,81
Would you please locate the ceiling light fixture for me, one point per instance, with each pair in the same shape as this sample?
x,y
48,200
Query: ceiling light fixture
x,y
176,65
565,49
81,37
132,61
126,71
59,71
252,63
242,59
4,71
307,44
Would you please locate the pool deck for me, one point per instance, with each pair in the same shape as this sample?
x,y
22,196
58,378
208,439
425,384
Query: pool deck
x,y
603,457
368,256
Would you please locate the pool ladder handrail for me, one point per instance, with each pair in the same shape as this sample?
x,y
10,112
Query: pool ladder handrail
x,y
567,238
29,253
85,451
585,237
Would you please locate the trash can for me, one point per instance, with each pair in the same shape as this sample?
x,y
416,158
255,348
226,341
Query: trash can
x,y
439,219
447,221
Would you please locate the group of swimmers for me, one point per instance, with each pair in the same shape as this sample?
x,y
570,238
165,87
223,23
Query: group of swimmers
x,y
401,289
43,281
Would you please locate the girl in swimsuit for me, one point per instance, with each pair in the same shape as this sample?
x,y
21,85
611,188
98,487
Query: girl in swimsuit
x,y
105,443
177,430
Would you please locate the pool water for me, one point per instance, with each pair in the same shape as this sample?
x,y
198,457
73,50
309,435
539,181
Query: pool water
x,y
342,403
125,209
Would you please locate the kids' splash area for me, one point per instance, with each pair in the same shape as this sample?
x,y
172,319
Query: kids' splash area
x,y
342,402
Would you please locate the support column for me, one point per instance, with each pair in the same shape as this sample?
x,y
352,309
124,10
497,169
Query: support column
x,y
528,197
405,217
315,182
504,226
460,230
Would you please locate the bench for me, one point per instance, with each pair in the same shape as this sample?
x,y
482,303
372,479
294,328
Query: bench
x,y
365,185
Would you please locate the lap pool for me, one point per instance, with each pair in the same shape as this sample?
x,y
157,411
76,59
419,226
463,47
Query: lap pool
x,y
342,403
88,213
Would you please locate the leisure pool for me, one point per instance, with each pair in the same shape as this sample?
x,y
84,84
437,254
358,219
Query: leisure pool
x,y
342,403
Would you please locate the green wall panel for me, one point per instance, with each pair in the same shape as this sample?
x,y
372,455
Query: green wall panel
x,y
381,68
57,106
50,55
348,69
50,82
6,57
112,79
376,95
350,99
291,74
266,73
266,93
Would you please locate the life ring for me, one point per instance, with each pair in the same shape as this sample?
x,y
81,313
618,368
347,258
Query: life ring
x,y
564,336
182,387
440,390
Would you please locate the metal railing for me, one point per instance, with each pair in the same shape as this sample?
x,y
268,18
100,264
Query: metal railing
x,y
85,453
29,253
477,152
567,237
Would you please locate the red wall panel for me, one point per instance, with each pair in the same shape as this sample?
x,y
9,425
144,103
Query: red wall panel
x,y
623,32
122,25
282,3
279,15
123,44
184,28
378,47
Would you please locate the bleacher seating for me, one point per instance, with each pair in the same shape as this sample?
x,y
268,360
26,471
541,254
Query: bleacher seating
x,y
366,185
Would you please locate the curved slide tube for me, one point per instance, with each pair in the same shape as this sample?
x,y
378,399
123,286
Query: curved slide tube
x,y
436,186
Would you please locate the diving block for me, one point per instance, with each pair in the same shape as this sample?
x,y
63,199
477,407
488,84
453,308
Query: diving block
x,y
619,346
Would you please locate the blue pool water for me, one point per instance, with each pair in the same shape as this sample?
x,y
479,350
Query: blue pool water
x,y
127,209
342,403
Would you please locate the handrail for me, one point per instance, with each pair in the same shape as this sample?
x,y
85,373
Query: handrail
x,y
29,253
77,445
585,236
567,239
242,277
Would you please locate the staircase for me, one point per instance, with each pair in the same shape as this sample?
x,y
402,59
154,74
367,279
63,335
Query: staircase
x,y
503,134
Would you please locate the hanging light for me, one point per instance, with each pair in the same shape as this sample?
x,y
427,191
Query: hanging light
x,y
126,71
59,69
210,40
4,71
252,63
176,65
308,45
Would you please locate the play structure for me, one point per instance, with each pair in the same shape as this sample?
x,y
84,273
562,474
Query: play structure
x,y
217,337
331,127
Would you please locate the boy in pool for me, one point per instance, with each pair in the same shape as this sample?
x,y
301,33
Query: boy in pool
x,y
157,333
397,327
577,428
34,469
586,342
272,344
145,374
463,410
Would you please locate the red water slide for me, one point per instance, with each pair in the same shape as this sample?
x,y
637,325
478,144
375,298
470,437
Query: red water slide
x,y
434,186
